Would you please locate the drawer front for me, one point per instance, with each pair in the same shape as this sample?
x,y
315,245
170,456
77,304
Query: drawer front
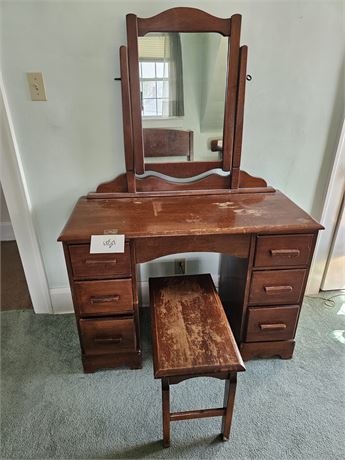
x,y
104,297
273,323
274,287
103,336
283,250
86,265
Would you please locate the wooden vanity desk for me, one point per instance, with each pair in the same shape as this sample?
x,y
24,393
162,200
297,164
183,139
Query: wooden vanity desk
x,y
266,241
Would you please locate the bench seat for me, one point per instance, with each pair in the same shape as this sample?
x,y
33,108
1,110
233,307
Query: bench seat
x,y
191,337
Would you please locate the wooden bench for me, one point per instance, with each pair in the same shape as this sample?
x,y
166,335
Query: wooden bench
x,y
192,338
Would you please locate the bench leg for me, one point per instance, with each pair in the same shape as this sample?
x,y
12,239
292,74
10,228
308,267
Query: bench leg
x,y
166,412
229,398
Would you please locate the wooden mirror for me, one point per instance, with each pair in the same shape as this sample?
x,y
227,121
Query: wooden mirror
x,y
171,58
182,127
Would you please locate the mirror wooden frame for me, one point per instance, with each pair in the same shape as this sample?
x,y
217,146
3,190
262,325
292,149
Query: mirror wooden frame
x,y
183,19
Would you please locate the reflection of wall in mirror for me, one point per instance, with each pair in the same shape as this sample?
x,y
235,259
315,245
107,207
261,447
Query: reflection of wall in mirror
x,y
204,80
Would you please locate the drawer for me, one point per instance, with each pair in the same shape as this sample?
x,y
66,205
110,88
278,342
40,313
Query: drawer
x,y
283,250
86,265
102,336
274,287
104,297
272,323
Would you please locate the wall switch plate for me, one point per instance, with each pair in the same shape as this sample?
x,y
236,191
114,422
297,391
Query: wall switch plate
x,y
36,86
180,266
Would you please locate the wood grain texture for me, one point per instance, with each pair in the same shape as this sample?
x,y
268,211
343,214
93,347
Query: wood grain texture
x,y
231,92
274,287
133,66
273,323
126,110
190,332
284,250
184,19
131,359
108,335
104,297
152,248
283,349
187,216
167,142
236,160
89,266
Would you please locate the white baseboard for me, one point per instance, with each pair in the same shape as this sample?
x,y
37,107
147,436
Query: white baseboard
x,y
6,232
62,298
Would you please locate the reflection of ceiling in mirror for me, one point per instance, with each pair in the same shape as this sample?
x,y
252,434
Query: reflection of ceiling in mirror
x,y
183,86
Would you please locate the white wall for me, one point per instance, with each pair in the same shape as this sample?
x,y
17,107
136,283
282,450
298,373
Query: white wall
x,y
73,141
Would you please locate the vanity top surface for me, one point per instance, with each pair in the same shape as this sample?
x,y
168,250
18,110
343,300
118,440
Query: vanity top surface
x,y
227,213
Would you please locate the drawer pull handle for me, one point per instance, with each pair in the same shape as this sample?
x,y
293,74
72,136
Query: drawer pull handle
x,y
109,340
271,290
100,261
105,299
285,252
273,327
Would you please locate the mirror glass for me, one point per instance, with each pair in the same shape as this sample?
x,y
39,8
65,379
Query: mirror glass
x,y
182,86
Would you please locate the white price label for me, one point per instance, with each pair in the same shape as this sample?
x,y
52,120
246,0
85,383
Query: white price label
x,y
107,243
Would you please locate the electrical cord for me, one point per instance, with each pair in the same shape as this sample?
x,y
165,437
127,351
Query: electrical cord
x,y
328,302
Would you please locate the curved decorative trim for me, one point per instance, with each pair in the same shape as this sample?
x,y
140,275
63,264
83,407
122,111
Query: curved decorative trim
x,y
211,182
184,19
184,180
248,181
119,184
184,169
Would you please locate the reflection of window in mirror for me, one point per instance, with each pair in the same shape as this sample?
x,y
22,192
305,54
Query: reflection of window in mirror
x,y
161,76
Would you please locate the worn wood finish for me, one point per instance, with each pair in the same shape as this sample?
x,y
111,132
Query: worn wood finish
x,y
166,142
273,323
105,297
283,349
192,338
86,265
231,92
108,335
184,19
191,334
161,217
236,160
274,287
284,250
152,248
188,216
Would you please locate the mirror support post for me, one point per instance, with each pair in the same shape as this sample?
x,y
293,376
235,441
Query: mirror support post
x,y
133,64
236,161
231,91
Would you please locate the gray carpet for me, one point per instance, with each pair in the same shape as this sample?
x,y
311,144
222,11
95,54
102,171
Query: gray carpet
x,y
284,409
